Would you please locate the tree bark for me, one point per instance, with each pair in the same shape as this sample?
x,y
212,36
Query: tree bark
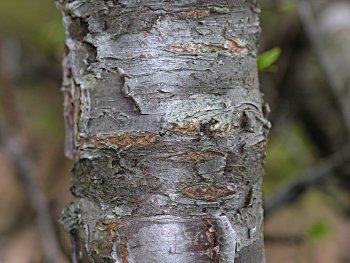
x,y
166,128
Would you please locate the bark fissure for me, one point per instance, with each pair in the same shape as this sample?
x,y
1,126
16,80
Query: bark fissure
x,y
167,134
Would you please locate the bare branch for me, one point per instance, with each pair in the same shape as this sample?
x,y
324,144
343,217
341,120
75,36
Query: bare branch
x,y
313,176
312,30
24,168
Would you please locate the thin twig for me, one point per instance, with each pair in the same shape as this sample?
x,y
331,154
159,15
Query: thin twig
x,y
15,148
286,240
313,176
24,168
312,30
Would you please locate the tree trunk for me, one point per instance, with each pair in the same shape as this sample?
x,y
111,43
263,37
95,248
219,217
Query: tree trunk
x,y
165,124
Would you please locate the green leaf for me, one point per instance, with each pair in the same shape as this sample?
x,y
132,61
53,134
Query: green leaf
x,y
319,230
266,59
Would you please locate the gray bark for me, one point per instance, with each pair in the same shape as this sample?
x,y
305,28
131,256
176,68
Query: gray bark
x,y
165,124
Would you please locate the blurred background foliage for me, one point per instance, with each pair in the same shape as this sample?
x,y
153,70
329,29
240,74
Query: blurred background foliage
x,y
36,23
308,134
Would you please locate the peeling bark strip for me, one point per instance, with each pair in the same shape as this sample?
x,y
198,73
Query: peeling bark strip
x,y
166,130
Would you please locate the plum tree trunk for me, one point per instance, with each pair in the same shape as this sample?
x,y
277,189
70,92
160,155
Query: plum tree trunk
x,y
166,128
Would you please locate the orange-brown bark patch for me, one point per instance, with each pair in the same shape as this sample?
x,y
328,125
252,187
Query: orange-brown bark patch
x,y
104,247
210,192
123,250
185,128
111,228
128,139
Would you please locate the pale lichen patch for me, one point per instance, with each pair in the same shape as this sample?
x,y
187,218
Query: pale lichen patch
x,y
230,47
211,128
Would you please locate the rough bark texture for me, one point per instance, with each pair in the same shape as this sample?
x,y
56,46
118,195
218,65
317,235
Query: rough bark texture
x,y
166,128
